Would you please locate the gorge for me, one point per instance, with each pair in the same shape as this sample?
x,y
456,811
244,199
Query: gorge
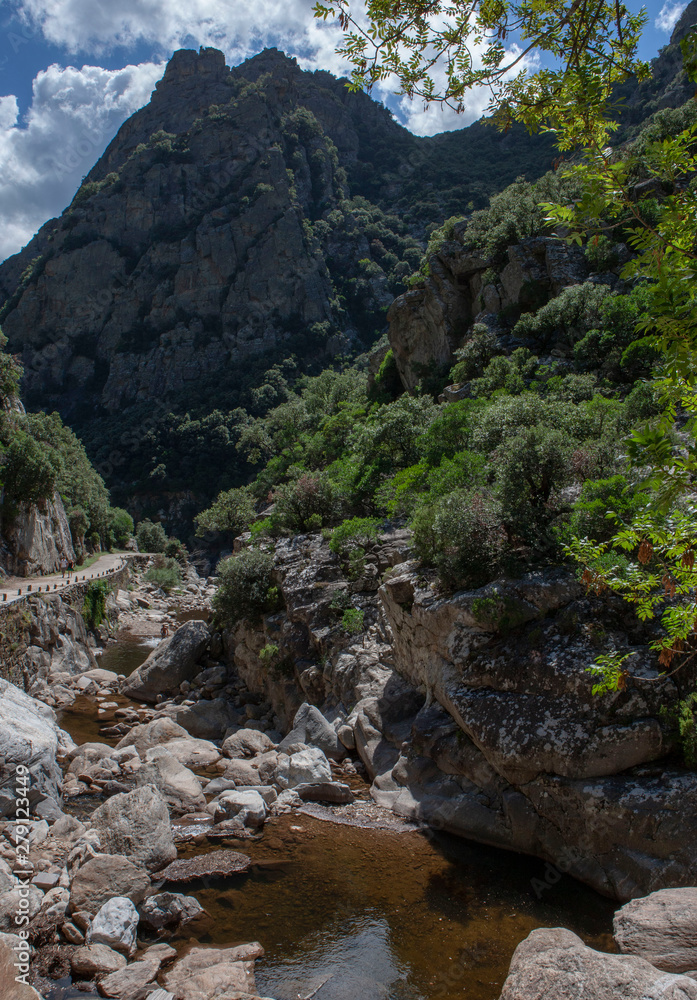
x,y
343,739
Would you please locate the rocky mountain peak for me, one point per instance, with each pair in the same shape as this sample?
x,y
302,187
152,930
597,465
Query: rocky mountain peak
x,y
686,23
206,65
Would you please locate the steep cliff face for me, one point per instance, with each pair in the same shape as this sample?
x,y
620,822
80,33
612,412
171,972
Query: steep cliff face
x,y
36,539
474,712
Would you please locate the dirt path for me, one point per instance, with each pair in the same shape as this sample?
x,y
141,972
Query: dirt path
x,y
15,587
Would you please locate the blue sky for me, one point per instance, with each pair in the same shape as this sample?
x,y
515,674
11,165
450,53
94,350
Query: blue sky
x,y
71,71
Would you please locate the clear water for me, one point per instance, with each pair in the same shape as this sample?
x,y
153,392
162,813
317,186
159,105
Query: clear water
x,y
372,914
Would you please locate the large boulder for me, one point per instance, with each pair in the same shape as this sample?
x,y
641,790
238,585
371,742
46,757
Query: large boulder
x,y
245,807
308,766
137,825
174,661
151,734
246,743
662,928
93,960
180,787
11,952
115,925
25,899
104,876
205,973
29,738
206,720
124,984
169,910
194,753
310,727
553,962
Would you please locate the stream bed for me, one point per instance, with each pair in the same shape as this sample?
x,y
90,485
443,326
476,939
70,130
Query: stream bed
x,y
347,912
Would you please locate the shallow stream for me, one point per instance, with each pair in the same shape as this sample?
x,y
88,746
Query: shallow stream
x,y
345,912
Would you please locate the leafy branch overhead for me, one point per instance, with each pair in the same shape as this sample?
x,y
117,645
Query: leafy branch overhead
x,y
544,62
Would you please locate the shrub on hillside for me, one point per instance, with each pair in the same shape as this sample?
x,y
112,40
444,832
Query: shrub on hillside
x,y
151,537
121,527
462,535
30,470
598,497
305,504
245,588
164,573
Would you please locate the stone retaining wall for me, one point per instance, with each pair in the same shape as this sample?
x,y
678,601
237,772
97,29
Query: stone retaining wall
x,y
18,617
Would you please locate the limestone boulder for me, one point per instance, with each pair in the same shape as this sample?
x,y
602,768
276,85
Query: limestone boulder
x,y
124,984
29,738
115,925
19,899
205,973
555,963
660,927
247,807
309,766
137,825
174,661
311,727
168,910
151,734
93,960
104,876
193,753
246,743
180,787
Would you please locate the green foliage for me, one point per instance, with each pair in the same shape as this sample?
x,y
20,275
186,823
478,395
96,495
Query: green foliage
x,y
565,319
94,605
305,504
10,373
268,653
151,537
463,536
600,504
357,532
245,588
175,549
164,573
601,254
352,621
121,526
233,511
682,719
30,470
475,354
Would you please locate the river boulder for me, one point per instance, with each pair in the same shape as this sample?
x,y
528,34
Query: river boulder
x,y
137,825
29,737
662,928
205,973
553,962
311,727
180,787
308,766
104,876
115,925
174,661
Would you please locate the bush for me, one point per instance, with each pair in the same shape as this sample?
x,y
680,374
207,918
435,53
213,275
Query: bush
x,y
232,511
462,535
245,588
94,605
165,573
598,497
305,504
30,470
475,354
175,549
151,537
355,533
121,526
352,621
566,318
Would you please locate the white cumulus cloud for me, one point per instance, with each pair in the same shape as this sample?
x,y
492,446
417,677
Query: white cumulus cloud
x,y
669,14
73,116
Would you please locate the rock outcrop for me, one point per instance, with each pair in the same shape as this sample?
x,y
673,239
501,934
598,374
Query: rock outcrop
x,y
30,740
474,713
174,661
37,539
555,962
662,928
